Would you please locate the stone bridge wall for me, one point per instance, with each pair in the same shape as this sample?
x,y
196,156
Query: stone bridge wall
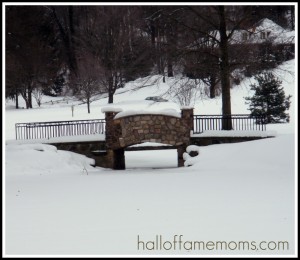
x,y
122,132
150,128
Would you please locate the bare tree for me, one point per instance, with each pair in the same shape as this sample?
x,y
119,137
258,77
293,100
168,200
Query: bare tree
x,y
215,25
107,32
33,68
185,91
86,82
202,62
163,29
38,95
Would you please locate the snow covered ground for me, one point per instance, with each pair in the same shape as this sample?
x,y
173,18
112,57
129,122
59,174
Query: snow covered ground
x,y
57,204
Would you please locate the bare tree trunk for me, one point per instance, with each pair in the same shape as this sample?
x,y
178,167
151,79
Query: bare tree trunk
x,y
212,88
67,36
170,68
110,97
225,72
158,58
27,104
17,100
88,105
71,45
169,52
212,91
111,91
30,97
25,95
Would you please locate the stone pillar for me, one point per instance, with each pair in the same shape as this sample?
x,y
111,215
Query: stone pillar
x,y
180,150
110,135
187,114
119,159
113,131
187,117
115,159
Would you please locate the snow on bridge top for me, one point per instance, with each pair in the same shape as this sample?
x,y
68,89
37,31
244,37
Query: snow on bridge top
x,y
165,112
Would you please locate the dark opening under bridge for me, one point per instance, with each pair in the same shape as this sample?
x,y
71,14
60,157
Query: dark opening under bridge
x,y
121,132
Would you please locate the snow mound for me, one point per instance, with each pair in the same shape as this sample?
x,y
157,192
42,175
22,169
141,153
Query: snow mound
x,y
111,109
37,147
189,160
166,112
147,144
40,159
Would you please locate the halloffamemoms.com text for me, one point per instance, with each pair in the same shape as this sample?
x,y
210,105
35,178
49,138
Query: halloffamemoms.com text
x,y
177,242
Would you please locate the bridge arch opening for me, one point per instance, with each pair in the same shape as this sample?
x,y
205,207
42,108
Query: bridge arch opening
x,y
151,155
151,159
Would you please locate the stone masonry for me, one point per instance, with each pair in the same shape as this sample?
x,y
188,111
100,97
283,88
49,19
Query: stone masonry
x,y
134,129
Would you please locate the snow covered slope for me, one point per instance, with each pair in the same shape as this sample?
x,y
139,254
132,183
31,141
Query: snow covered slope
x,y
132,97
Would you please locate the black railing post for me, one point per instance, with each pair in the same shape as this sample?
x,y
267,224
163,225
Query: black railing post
x,y
17,131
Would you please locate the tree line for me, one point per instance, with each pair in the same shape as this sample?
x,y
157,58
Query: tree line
x,y
97,49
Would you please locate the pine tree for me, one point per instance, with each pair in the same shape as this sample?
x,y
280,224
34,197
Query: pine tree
x,y
269,100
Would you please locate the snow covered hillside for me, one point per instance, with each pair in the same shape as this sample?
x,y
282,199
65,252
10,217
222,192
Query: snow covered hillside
x,y
132,97
56,203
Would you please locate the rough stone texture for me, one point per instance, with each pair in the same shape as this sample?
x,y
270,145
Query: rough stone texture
x,y
112,130
135,129
188,116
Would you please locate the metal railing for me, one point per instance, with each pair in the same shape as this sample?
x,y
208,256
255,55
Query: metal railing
x,y
46,130
238,122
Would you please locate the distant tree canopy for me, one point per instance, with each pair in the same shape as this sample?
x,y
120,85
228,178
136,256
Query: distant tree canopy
x,y
45,44
31,60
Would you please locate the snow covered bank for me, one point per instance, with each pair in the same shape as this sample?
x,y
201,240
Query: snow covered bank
x,y
232,192
39,159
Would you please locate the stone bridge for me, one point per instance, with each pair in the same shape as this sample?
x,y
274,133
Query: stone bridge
x,y
123,130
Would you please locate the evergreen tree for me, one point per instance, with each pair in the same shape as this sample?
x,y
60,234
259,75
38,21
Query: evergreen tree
x,y
269,100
